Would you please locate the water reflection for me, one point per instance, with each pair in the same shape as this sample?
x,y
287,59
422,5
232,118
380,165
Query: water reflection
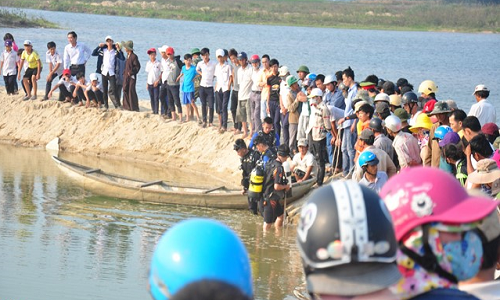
x,y
70,244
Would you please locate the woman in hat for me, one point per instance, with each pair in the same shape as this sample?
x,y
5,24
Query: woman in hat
x,y
487,177
132,67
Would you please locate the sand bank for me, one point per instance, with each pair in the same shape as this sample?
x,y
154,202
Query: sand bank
x,y
135,136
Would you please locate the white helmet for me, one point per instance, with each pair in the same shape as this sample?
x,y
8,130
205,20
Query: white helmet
x,y
329,79
428,87
316,92
382,97
393,123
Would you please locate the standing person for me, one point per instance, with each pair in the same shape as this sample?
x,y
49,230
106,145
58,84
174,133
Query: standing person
x,y
32,74
441,111
54,60
405,145
292,103
188,99
224,74
428,90
165,109
235,65
173,88
132,67
206,69
335,102
245,90
8,66
119,69
264,74
483,109
10,37
248,160
108,57
273,97
75,55
381,141
284,90
338,224
255,96
349,135
153,69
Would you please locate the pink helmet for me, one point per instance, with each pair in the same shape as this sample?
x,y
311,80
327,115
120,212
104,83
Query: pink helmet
x,y
421,195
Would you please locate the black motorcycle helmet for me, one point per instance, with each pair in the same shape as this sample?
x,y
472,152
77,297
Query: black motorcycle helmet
x,y
409,97
376,125
346,240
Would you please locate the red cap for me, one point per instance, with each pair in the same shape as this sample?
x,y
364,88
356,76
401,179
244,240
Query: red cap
x,y
170,50
151,50
490,128
66,72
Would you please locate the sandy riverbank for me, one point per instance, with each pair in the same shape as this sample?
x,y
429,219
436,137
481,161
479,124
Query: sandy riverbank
x,y
119,134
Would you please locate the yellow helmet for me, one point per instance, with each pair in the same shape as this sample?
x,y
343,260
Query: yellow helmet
x,y
395,100
428,87
423,121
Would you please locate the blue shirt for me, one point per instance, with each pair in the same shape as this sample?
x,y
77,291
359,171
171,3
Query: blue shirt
x,y
348,105
188,84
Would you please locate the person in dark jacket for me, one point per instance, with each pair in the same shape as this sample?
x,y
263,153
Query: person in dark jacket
x,y
132,67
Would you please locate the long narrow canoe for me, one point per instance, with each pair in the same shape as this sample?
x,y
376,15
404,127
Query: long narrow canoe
x,y
101,183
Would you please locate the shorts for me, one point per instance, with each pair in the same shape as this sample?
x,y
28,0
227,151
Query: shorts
x,y
272,210
30,72
187,98
241,111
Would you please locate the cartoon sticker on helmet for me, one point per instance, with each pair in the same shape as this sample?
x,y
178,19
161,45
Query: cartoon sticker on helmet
x,y
307,217
422,204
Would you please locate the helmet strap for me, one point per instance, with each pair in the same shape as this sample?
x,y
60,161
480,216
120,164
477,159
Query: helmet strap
x,y
428,261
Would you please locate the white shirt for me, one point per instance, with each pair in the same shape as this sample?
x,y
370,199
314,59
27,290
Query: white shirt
x,y
484,111
207,70
353,90
67,84
165,69
154,70
9,60
284,90
223,73
77,55
236,82
255,79
245,82
89,86
303,163
53,59
108,62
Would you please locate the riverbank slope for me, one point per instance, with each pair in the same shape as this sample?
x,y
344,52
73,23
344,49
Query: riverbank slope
x,y
130,136
19,19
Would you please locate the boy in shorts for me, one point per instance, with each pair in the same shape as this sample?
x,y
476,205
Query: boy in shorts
x,y
32,72
188,99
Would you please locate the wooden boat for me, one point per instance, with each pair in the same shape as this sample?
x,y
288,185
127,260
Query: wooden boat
x,y
159,191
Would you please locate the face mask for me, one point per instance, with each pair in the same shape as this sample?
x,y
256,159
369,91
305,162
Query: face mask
x,y
465,255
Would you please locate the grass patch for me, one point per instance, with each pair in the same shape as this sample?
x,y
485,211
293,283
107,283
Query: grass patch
x,y
18,18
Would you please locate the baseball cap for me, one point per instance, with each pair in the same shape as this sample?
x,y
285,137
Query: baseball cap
x,y
480,88
401,114
239,144
66,72
219,52
27,43
163,48
490,128
170,50
449,138
302,143
242,55
8,43
108,38
366,134
382,107
93,76
151,50
283,71
254,58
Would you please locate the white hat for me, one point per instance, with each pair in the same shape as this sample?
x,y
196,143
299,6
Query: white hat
x,y
93,76
219,52
27,43
163,48
480,88
283,71
329,79
108,38
316,92
382,97
302,142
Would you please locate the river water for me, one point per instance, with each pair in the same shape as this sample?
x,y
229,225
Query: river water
x,y
457,62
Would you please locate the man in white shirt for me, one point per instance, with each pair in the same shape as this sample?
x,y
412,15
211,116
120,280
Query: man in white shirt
x,y
206,69
255,96
108,57
75,55
483,109
304,165
54,61
245,83
165,109
224,74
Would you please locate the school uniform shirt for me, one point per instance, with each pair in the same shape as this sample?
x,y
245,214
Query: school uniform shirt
x,y
484,111
154,70
53,59
376,186
223,73
284,90
77,55
319,123
245,82
92,88
207,70
236,82
108,62
256,79
9,60
306,162
32,59
406,147
189,75
67,84
165,70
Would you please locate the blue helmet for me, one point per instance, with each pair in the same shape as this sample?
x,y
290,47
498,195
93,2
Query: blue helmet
x,y
198,249
441,131
367,158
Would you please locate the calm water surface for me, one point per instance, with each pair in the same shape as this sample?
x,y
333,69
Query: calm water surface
x,y
58,241
457,62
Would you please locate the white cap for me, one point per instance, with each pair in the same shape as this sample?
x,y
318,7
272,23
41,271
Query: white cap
x,y
316,92
480,88
382,97
329,79
27,42
219,52
93,76
283,71
163,48
108,38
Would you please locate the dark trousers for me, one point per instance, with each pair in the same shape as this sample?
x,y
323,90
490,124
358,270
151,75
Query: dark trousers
x,y
285,134
80,96
48,85
234,108
97,95
63,92
9,83
207,101
319,151
274,111
119,89
153,96
75,69
173,98
130,99
165,110
222,105
109,89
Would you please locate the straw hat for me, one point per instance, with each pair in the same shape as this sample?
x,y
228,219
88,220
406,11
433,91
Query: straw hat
x,y
486,172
